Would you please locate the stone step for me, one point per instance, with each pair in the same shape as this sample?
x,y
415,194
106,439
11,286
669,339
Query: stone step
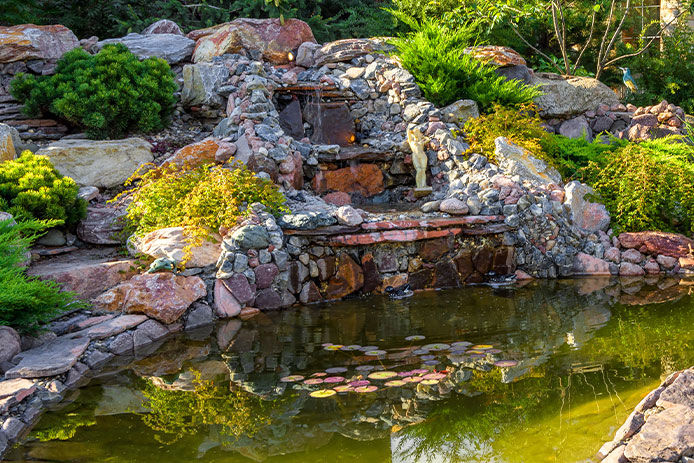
x,y
433,222
357,153
410,235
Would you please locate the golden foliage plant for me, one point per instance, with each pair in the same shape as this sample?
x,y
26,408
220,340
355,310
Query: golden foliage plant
x,y
200,199
521,126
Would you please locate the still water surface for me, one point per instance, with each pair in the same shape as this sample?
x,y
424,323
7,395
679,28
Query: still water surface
x,y
542,373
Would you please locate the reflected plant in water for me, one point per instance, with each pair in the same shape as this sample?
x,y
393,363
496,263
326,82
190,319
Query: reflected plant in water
x,y
174,414
65,428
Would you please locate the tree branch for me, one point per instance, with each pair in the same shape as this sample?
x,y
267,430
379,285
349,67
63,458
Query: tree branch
x,y
590,37
520,36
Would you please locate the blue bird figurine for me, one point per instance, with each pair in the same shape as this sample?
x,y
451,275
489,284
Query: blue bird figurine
x,y
628,80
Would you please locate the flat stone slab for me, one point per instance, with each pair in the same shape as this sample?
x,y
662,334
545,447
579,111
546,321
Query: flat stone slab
x,y
50,359
15,387
110,327
666,436
391,236
433,222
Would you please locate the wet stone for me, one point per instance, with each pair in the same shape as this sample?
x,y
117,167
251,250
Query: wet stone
x,y
50,359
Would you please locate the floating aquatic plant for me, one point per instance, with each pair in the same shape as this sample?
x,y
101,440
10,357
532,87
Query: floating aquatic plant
x,y
376,353
420,351
462,344
343,388
291,378
395,383
415,337
429,382
333,347
363,389
319,374
482,346
437,347
431,362
436,376
412,379
506,363
367,348
313,381
365,368
351,347
382,375
323,393
334,370
334,379
359,383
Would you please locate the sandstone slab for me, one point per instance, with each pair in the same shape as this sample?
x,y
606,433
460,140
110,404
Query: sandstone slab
x,y
515,160
163,296
89,278
171,243
365,179
102,225
110,327
99,163
27,42
496,55
348,279
665,437
50,359
667,244
9,143
226,305
347,49
270,38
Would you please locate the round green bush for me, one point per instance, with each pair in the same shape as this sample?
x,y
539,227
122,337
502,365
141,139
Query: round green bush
x,y
31,188
110,94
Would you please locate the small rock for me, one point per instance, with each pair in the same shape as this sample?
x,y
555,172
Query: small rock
x,y
347,215
453,206
629,269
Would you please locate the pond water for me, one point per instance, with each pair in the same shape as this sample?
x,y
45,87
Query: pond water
x,y
541,373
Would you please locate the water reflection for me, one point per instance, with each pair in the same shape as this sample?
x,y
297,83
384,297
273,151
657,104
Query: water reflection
x,y
582,355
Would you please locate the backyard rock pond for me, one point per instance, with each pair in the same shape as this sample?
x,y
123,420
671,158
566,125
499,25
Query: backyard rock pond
x,y
545,371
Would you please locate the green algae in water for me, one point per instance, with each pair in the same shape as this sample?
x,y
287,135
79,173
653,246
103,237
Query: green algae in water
x,y
583,362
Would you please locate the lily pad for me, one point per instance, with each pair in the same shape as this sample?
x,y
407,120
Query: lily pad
x,y
323,393
413,379
359,383
415,337
383,375
376,353
493,351
437,346
430,382
319,374
367,348
395,383
334,370
334,379
343,388
313,381
326,344
506,363
461,344
476,351
482,346
420,351
403,374
365,368
431,363
420,371
333,347
363,389
427,357
291,378
436,376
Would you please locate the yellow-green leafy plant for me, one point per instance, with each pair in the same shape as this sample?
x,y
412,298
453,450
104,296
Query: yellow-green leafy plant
x,y
521,126
31,188
201,200
648,186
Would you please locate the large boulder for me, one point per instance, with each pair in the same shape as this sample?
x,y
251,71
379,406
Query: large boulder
x,y
200,84
99,163
10,344
28,42
174,48
515,160
88,278
496,55
9,142
567,96
585,214
171,242
345,50
653,242
163,26
270,38
163,296
196,154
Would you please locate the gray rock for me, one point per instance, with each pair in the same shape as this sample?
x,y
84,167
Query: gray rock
x,y
49,359
13,428
307,220
147,333
88,193
665,437
163,26
102,225
360,88
564,96
250,237
305,53
431,206
122,344
173,48
10,343
200,315
97,359
460,111
453,206
515,160
517,72
577,127
110,327
200,82
680,392
9,143
585,214
347,215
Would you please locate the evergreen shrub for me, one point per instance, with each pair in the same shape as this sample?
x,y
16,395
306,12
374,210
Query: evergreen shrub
x,y
109,94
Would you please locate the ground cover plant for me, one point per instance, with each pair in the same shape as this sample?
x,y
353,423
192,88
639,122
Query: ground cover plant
x,y
202,200
108,94
31,188
434,54
26,302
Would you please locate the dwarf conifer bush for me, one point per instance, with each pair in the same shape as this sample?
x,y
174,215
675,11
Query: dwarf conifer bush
x,y
434,54
201,200
109,94
25,302
31,188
